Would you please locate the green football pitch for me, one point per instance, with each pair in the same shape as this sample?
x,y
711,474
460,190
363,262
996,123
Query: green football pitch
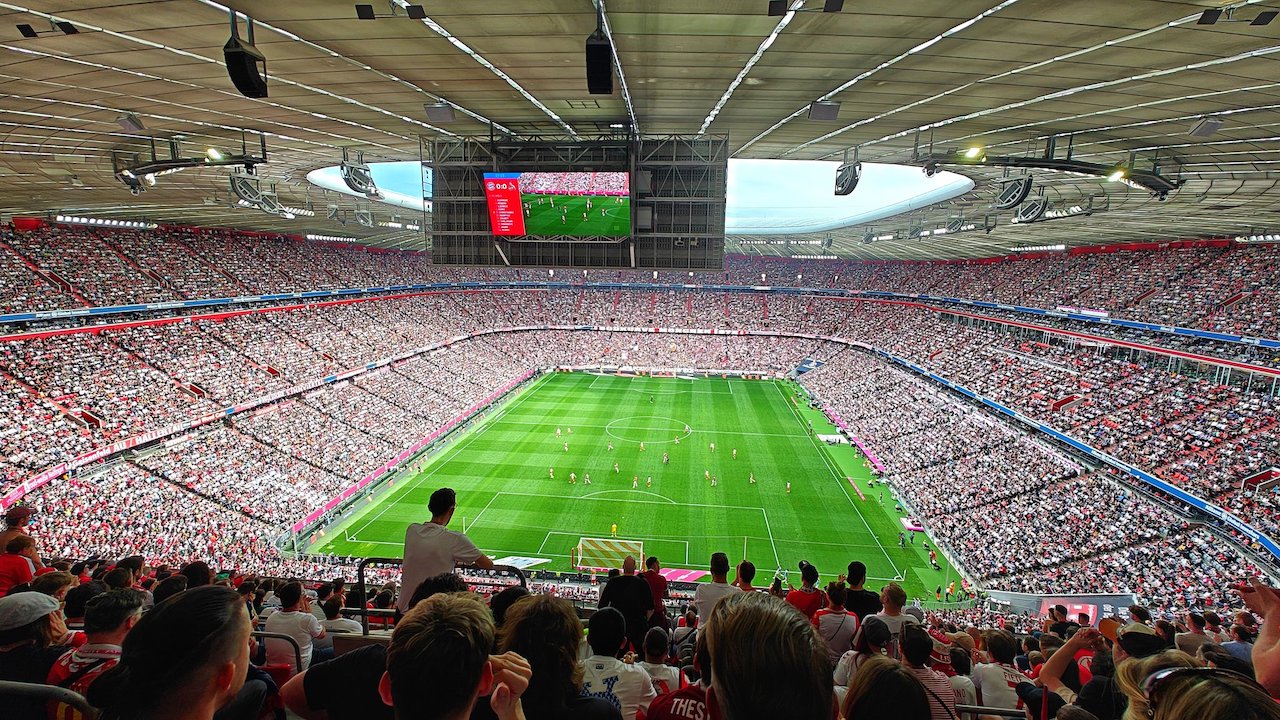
x,y
509,504
608,216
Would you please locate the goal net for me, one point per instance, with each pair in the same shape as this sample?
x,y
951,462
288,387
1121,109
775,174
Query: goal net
x,y
606,553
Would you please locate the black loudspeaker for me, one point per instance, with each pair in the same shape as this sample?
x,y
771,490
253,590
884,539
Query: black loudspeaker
x,y
243,60
599,65
847,176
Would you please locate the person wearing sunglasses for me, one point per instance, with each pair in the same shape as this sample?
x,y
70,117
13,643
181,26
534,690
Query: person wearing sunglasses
x,y
1171,686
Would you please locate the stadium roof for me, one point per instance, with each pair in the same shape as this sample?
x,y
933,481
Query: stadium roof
x,y
1124,77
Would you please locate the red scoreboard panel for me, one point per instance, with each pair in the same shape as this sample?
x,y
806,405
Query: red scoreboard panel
x,y
506,211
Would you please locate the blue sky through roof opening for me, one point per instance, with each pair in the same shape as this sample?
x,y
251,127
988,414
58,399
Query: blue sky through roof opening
x,y
763,197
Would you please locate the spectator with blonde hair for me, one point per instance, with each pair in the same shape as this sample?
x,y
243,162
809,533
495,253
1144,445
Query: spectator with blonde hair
x,y
1171,686
767,661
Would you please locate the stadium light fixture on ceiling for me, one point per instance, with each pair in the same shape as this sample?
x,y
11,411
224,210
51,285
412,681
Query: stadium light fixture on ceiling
x,y
1040,248
415,12
105,222
137,174
974,153
1117,173
778,8
330,238
1213,16
56,26
130,122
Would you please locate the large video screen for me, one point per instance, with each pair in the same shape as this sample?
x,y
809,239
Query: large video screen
x,y
575,204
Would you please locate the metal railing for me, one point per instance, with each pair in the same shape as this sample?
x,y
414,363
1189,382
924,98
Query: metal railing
x,y
297,649
982,710
365,613
48,693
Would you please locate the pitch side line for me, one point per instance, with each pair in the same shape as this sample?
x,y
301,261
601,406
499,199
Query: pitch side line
x,y
839,479
441,462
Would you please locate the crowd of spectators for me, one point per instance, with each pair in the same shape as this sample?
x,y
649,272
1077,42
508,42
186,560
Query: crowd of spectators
x,y
64,395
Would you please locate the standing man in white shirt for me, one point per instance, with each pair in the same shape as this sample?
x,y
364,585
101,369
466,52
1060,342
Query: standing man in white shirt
x,y
430,548
705,597
294,619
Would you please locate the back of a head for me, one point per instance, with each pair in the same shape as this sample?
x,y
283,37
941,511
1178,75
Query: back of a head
x,y
1190,692
79,595
893,596
174,650
767,660
917,645
169,587
53,583
442,501
719,564
118,578
437,655
18,543
1003,646
836,593
546,631
290,593
108,611
747,571
961,662
606,631
885,688
651,562
436,584
857,573
133,564
197,573
808,573
501,602
656,643
332,608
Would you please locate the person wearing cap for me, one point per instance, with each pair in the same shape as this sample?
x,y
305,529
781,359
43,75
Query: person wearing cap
x,y
870,640
16,520
18,562
30,626
808,599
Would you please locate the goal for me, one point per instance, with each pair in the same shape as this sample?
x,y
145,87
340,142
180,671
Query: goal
x,y
605,553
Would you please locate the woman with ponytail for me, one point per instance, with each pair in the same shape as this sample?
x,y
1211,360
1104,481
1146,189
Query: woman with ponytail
x,y
186,658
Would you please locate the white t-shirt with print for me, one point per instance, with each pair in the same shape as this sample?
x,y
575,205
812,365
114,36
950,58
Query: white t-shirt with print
x,y
628,687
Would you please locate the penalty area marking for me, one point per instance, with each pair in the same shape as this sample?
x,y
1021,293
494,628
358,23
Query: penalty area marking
x,y
638,492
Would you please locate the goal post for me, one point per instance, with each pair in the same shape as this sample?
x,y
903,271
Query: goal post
x,y
606,553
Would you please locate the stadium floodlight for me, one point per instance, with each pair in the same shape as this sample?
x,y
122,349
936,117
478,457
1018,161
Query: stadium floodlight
x,y
1117,173
55,26
974,152
1210,16
215,154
